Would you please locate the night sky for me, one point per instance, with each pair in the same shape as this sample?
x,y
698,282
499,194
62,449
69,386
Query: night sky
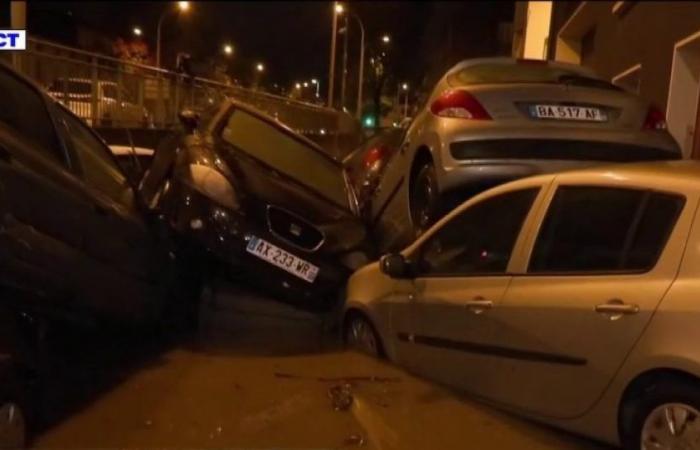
x,y
292,38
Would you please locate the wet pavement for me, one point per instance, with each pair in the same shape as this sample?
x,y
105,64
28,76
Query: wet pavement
x,y
261,376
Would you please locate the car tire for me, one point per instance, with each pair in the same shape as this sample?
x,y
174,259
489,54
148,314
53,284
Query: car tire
x,y
359,334
423,196
665,411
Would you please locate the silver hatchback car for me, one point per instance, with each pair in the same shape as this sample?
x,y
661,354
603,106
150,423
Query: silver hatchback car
x,y
570,298
494,120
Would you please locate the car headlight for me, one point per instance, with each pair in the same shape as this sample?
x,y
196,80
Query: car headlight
x,y
212,184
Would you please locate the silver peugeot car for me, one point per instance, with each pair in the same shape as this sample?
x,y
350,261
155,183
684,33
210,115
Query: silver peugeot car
x,y
493,120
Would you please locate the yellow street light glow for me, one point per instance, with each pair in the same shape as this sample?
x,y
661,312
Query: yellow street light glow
x,y
306,84
183,6
386,38
260,67
228,49
298,85
404,86
314,81
137,31
339,8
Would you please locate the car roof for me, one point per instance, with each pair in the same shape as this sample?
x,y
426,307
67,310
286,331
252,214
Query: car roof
x,y
515,61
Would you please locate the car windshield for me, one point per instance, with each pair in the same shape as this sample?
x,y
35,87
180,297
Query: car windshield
x,y
287,154
531,72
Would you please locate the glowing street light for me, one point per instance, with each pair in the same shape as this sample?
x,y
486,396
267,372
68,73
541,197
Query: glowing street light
x,y
297,86
386,39
339,8
404,86
137,31
306,84
260,67
183,6
228,49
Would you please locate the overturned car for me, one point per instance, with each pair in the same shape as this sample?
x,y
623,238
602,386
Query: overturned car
x,y
263,200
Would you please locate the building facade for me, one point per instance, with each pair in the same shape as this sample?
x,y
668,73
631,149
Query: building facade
x,y
650,48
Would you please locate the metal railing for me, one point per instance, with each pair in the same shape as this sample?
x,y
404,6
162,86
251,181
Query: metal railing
x,y
108,92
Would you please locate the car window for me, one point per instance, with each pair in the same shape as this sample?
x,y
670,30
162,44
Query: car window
x,y
480,240
599,229
530,72
286,154
23,109
99,169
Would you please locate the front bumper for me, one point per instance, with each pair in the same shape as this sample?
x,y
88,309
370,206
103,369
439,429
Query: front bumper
x,y
225,234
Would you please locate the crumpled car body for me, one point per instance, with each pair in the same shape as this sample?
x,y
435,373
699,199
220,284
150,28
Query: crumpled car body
x,y
265,201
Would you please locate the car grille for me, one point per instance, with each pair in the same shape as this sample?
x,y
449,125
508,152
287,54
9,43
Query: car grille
x,y
558,149
293,229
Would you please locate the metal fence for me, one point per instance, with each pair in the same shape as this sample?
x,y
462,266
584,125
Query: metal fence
x,y
109,92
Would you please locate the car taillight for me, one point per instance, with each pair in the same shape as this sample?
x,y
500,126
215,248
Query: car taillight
x,y
459,104
374,155
655,120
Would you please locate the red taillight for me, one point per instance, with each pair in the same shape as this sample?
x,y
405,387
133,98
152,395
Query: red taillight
x,y
459,104
373,155
655,120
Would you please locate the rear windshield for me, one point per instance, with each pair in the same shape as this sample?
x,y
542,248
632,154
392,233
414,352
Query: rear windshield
x,y
284,153
524,73
72,87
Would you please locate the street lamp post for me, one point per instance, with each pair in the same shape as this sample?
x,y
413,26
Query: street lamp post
x,y
337,9
259,69
314,81
404,88
343,81
361,70
183,7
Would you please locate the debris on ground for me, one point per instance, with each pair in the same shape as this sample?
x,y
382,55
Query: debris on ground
x,y
354,440
341,396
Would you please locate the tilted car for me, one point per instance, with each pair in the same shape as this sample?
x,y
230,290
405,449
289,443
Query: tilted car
x,y
493,120
262,199
570,298
76,242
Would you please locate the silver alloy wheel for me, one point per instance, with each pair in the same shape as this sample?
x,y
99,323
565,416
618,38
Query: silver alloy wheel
x,y
671,426
12,426
360,336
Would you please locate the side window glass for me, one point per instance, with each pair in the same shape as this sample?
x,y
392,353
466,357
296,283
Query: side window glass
x,y
598,229
480,240
100,170
24,110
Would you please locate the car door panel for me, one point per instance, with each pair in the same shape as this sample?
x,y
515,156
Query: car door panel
x,y
574,331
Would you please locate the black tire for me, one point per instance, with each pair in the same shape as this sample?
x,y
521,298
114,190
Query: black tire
x,y
180,312
353,323
423,196
644,406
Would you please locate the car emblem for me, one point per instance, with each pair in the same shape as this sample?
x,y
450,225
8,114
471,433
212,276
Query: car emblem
x,y
295,229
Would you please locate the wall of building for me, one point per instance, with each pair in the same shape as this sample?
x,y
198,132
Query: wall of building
x,y
645,34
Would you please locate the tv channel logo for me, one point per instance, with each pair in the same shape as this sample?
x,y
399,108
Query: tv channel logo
x,y
13,39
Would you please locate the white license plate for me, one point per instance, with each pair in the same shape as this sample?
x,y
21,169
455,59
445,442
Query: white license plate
x,y
562,112
282,259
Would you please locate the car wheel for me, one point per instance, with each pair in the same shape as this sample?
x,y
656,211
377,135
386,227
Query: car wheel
x,y
359,334
13,426
423,197
666,416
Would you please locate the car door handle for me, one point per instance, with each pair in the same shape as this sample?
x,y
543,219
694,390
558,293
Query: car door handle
x,y
616,308
478,304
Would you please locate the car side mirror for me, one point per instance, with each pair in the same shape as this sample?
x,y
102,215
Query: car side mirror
x,y
189,120
395,265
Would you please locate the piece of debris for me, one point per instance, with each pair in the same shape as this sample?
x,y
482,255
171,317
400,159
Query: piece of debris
x,y
355,440
286,375
352,379
341,396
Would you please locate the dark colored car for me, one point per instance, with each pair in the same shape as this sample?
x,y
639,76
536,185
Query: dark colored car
x,y
76,243
262,199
